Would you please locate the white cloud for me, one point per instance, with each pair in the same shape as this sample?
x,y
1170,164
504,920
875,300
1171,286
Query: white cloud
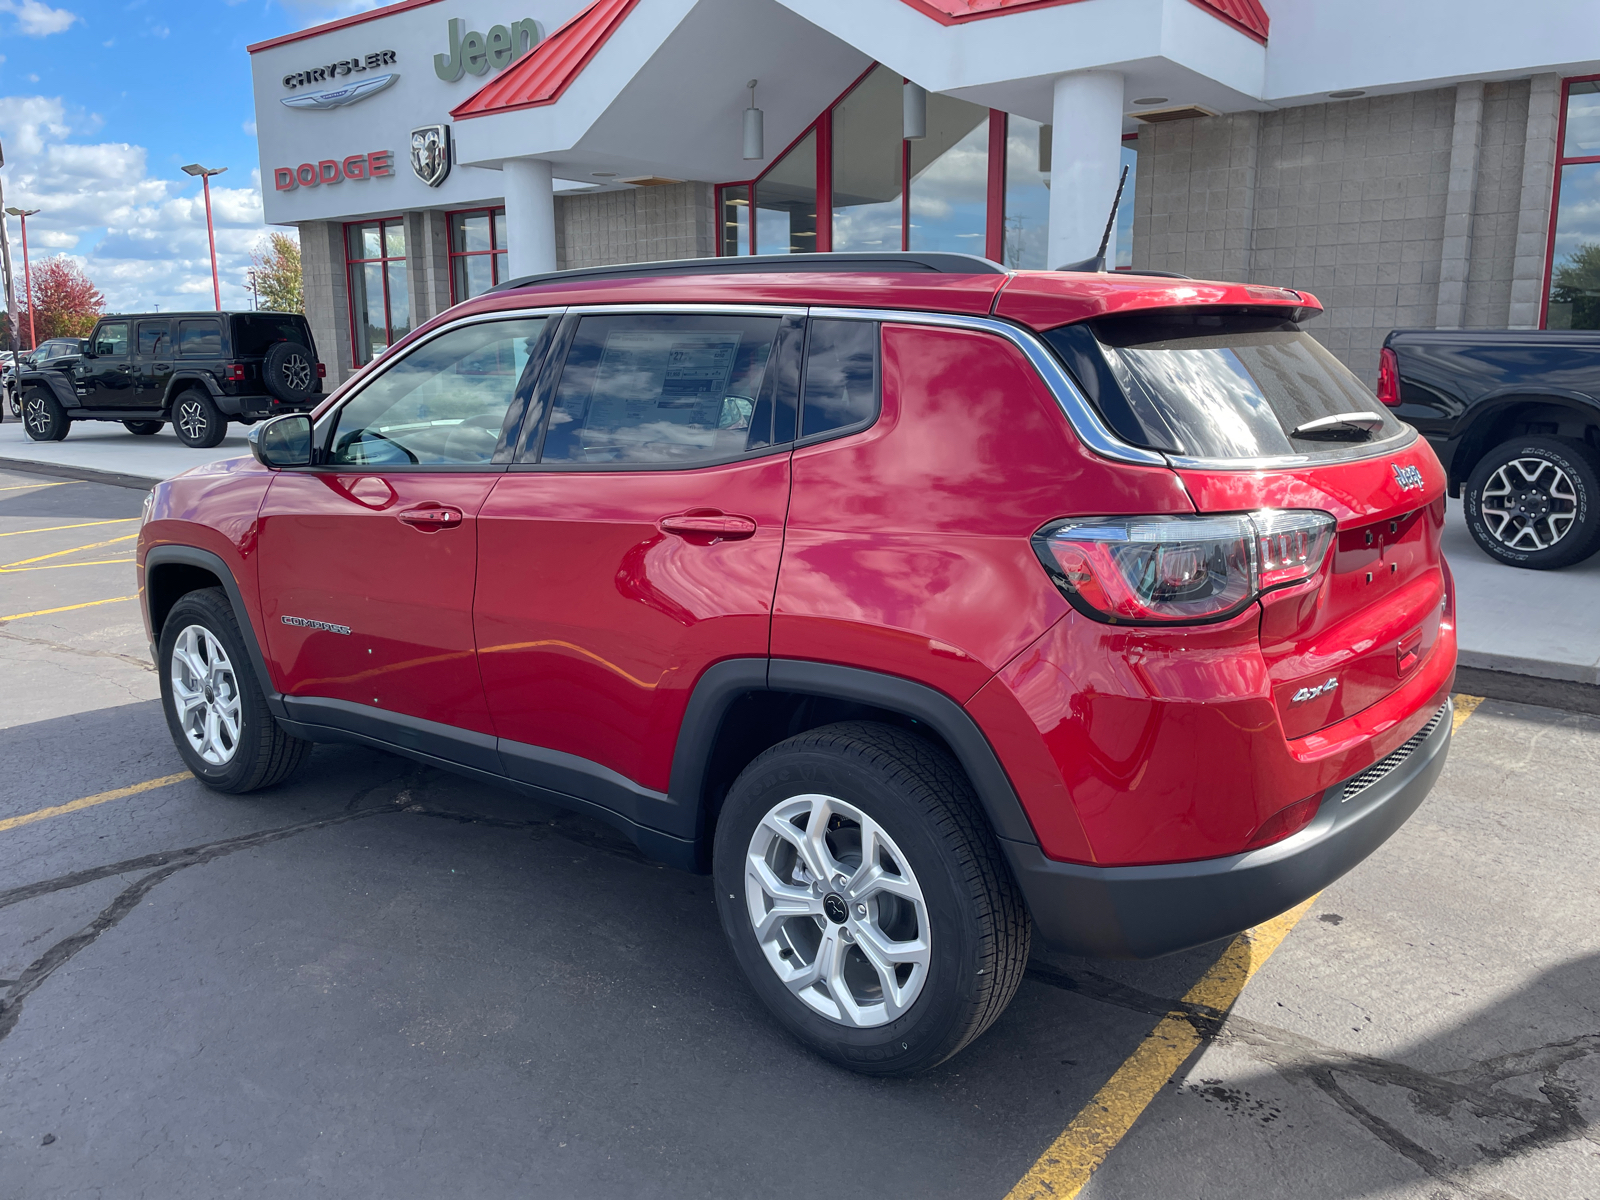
x,y
140,238
249,127
37,19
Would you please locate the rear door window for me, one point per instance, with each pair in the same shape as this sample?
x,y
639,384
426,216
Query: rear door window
x,y
663,389
1220,385
155,338
199,339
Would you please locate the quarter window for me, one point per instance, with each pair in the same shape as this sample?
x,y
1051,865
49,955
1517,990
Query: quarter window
x,y
111,341
199,339
841,376
443,404
662,390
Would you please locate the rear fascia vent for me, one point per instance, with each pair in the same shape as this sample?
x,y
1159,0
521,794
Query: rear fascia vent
x,y
1186,112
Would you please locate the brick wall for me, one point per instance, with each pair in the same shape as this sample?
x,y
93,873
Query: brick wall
x,y
1497,203
638,225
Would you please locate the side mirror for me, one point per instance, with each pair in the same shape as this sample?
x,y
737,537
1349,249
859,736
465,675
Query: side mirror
x,y
283,441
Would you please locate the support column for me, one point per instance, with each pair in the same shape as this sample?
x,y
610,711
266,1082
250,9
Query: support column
x,y
1085,159
1456,258
1533,219
530,217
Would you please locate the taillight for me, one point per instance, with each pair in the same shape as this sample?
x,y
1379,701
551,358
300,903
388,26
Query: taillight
x,y
322,370
1388,378
1165,570
235,373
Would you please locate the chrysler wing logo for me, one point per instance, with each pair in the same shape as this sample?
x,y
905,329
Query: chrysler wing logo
x,y
1311,693
308,623
339,97
430,154
1409,478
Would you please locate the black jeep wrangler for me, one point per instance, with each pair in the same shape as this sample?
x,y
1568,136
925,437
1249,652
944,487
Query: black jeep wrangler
x,y
197,370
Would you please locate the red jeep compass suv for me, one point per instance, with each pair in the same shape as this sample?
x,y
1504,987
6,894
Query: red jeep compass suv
x,y
929,606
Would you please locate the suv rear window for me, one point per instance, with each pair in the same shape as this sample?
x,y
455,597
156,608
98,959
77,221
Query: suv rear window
x,y
255,333
1219,385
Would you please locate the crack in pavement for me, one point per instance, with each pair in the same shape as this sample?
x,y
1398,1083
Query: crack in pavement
x,y
1298,1058
142,664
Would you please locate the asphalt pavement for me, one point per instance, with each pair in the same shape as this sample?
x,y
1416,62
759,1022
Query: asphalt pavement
x,y
384,981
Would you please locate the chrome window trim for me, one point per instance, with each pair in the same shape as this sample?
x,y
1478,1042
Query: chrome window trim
x,y
1085,422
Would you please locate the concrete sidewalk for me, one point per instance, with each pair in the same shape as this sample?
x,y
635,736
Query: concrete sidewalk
x,y
1544,624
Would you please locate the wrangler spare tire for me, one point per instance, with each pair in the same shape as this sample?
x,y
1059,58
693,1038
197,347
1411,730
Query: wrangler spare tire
x,y
290,372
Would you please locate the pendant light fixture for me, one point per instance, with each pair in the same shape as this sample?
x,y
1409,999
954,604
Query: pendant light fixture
x,y
913,111
754,146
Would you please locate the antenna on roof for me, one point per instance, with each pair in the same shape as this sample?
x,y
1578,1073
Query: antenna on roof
x,y
1098,262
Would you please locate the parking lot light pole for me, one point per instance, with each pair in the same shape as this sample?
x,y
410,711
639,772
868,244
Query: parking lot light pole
x,y
205,174
27,274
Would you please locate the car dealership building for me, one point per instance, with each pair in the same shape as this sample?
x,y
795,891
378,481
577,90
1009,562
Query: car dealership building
x,y
1412,162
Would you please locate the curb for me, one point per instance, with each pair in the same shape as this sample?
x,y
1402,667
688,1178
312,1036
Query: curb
x,y
1529,689
28,466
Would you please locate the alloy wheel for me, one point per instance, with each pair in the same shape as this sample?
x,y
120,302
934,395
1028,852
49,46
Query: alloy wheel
x,y
837,911
1529,504
35,415
192,420
205,693
297,373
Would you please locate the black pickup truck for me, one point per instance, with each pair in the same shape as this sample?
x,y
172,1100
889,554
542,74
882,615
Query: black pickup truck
x,y
197,370
1514,416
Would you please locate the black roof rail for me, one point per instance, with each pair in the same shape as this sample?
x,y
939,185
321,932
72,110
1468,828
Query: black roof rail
x,y
766,264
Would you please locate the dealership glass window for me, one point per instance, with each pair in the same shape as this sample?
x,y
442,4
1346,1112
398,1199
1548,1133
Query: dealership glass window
x,y
948,178
380,299
786,201
736,219
477,252
868,164
1573,298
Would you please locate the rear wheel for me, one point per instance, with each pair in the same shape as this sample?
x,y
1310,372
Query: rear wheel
x,y
142,428
1534,502
866,899
213,702
196,421
43,417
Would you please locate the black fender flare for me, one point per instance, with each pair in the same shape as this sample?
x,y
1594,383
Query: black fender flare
x,y
182,381
726,681
60,386
1470,432
192,556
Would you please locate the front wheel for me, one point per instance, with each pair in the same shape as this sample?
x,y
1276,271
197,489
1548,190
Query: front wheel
x,y
864,896
142,428
44,418
1534,502
214,706
196,420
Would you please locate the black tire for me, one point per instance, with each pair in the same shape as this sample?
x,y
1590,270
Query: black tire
x,y
263,754
196,421
143,428
289,372
978,931
43,417
1535,490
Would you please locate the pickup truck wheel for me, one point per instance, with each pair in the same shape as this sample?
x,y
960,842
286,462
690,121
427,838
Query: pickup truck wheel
x,y
44,418
866,899
196,421
142,428
1534,502
214,706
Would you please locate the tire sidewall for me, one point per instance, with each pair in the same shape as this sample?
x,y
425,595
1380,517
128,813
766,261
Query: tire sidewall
x,y
216,427
1580,468
210,610
925,1034
274,366
58,421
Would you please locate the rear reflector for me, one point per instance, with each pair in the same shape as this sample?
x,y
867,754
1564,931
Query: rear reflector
x,y
1284,822
1389,378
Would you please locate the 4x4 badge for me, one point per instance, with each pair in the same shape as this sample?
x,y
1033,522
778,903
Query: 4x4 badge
x,y
1311,693
1409,478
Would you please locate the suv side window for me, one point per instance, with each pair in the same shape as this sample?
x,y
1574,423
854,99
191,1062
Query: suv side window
x,y
199,339
111,340
663,389
155,338
841,377
443,404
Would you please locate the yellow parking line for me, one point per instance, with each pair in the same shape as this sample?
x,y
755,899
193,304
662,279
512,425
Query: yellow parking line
x,y
56,528
98,562
45,612
22,486
22,562
1064,1168
91,801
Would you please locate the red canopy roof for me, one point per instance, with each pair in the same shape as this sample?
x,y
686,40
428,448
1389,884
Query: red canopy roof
x,y
1247,16
550,68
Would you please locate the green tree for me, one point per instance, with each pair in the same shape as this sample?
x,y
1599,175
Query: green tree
x,y
1575,289
276,267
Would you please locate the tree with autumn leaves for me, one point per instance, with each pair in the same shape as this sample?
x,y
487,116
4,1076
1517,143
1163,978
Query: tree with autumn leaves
x,y
64,302
275,269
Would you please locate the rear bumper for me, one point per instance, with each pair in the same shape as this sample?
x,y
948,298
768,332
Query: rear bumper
x,y
1143,912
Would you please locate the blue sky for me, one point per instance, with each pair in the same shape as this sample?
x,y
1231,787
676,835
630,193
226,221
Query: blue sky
x,y
101,103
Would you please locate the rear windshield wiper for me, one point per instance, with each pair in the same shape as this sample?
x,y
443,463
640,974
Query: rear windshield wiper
x,y
1340,426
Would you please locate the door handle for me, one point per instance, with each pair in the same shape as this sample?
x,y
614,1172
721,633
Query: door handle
x,y
163,366
125,367
709,525
432,517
